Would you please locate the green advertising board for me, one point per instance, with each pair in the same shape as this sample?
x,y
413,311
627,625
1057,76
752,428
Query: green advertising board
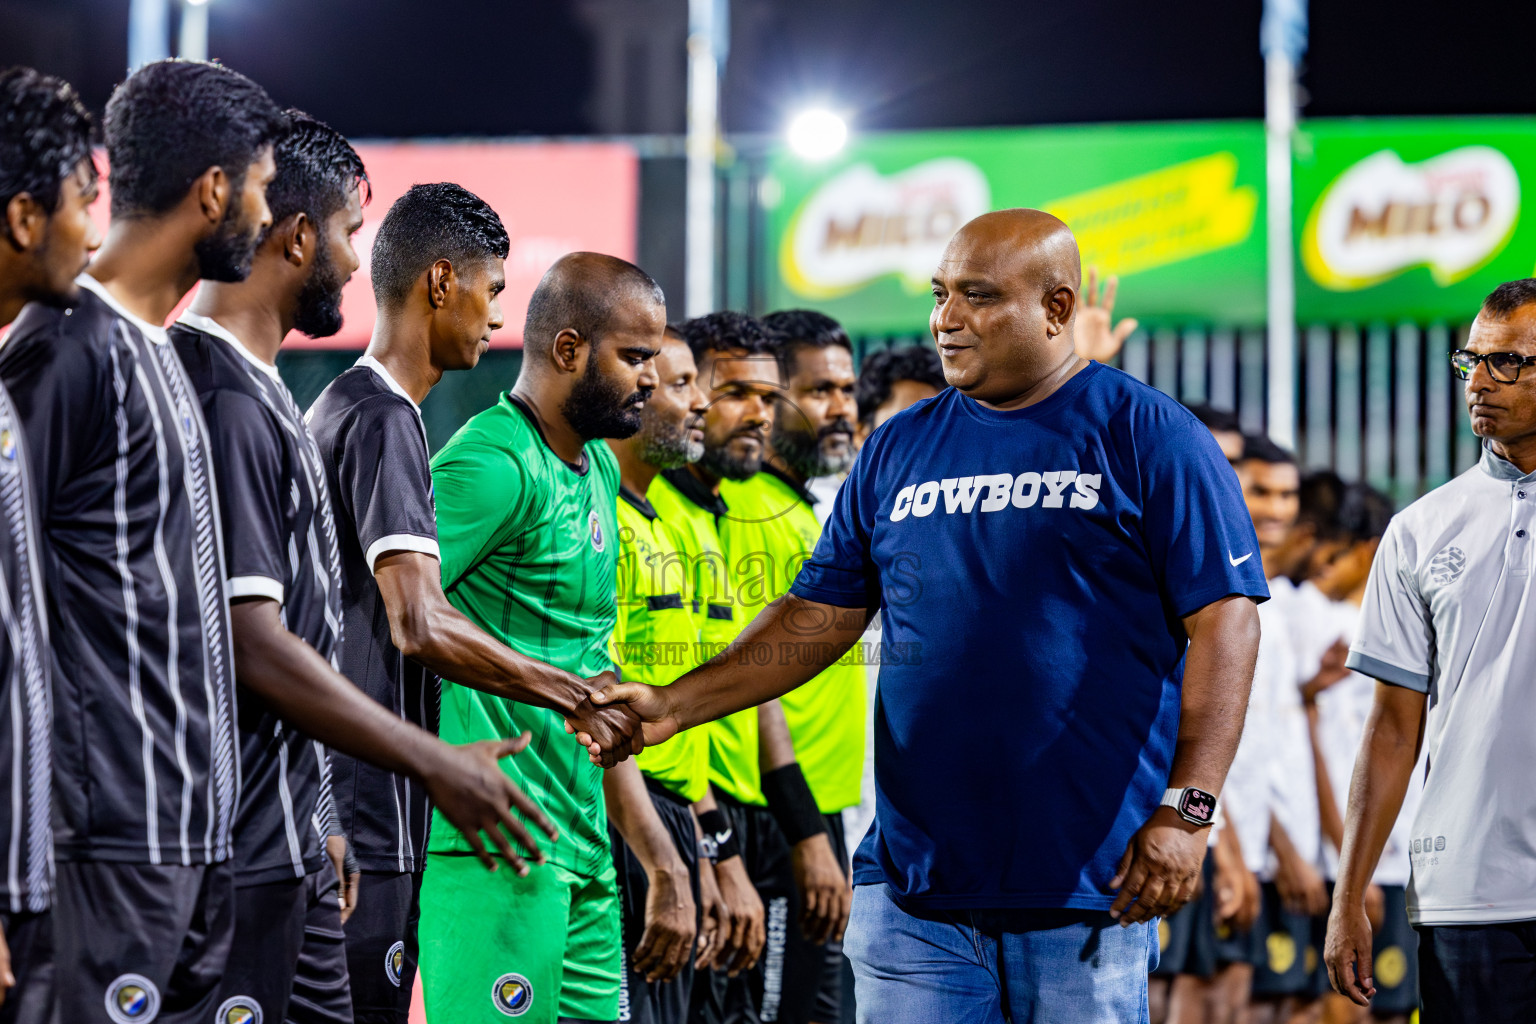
x,y
1411,220
1395,220
1174,209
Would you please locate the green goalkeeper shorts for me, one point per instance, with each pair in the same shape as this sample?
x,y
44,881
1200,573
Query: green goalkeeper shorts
x,y
494,945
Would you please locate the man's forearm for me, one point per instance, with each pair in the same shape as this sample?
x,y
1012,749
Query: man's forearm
x,y
428,629
737,679
1327,802
632,813
302,687
1388,752
1218,674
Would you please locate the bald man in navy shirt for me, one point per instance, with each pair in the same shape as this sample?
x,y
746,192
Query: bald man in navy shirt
x,y
1065,557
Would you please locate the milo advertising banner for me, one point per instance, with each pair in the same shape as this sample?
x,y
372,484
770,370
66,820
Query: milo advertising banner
x,y
1174,209
1395,219
1411,219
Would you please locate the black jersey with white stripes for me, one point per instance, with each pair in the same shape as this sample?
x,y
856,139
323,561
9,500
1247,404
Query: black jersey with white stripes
x,y
146,768
26,709
279,544
375,452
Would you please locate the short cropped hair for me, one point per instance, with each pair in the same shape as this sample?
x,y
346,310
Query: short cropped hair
x,y
1365,512
1259,448
1217,421
726,331
441,221
1502,302
172,120
581,293
316,169
1321,500
792,330
45,134
884,369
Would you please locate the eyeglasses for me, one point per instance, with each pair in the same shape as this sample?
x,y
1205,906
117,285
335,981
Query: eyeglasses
x,y
1503,367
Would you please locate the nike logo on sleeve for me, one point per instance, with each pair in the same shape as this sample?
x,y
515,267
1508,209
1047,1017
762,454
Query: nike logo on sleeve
x,y
1238,561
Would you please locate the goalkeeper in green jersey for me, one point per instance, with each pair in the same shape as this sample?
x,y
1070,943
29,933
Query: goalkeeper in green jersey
x,y
526,495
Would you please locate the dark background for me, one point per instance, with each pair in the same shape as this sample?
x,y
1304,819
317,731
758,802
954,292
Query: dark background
x,y
377,68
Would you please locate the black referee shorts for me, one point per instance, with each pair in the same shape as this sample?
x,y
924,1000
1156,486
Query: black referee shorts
x,y
830,996
139,942
30,938
790,975
381,946
321,993
641,1001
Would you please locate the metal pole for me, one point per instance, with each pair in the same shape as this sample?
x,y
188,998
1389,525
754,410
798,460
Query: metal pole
x,y
149,32
1283,39
704,31
1280,81
193,43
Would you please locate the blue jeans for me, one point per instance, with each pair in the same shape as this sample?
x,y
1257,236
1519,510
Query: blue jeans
x,y
990,967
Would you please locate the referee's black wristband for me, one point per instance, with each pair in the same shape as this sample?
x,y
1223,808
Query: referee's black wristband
x,y
349,865
791,803
719,837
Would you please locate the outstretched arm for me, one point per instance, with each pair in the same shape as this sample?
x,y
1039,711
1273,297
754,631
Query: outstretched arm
x,y
430,630
465,783
1162,862
734,680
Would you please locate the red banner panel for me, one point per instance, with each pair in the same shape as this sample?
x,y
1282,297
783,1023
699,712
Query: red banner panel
x,y
554,198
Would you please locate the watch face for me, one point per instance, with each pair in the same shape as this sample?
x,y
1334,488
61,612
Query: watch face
x,y
1198,806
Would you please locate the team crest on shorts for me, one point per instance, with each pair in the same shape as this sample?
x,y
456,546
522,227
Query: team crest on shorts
x,y
132,999
512,994
238,1010
595,530
394,963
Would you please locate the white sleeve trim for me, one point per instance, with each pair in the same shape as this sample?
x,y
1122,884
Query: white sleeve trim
x,y
253,586
400,542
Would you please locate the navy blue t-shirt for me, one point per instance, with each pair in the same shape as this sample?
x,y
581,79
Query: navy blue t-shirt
x,y
1032,569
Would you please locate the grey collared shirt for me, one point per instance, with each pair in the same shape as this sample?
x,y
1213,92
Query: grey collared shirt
x,y
1448,612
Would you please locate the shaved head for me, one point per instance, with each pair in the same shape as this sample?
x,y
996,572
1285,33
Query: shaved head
x,y
1029,244
582,293
1005,296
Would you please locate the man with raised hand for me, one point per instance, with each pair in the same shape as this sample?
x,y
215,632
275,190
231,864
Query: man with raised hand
x,y
437,271
526,495
284,585
1069,553
145,750
47,184
774,526
1444,632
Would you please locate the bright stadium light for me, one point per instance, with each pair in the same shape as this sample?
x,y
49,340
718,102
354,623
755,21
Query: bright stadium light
x,y
817,134
197,3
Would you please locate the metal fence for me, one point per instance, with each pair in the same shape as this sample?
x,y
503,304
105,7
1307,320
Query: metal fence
x,y
1377,404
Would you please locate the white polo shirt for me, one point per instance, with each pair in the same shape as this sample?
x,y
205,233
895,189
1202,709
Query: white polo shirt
x,y
1448,612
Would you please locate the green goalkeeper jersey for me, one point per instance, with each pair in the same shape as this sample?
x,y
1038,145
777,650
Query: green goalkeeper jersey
x,y
694,515
771,529
529,550
657,636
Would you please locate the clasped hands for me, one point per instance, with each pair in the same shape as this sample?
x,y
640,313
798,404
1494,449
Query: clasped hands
x,y
618,720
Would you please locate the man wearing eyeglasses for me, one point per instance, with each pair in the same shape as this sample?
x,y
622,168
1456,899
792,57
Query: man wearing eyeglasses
x,y
1447,630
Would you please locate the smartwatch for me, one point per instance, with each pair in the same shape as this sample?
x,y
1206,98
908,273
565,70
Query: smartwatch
x,y
1195,806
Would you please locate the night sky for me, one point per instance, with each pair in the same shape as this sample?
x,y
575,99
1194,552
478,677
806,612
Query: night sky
x,y
378,68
